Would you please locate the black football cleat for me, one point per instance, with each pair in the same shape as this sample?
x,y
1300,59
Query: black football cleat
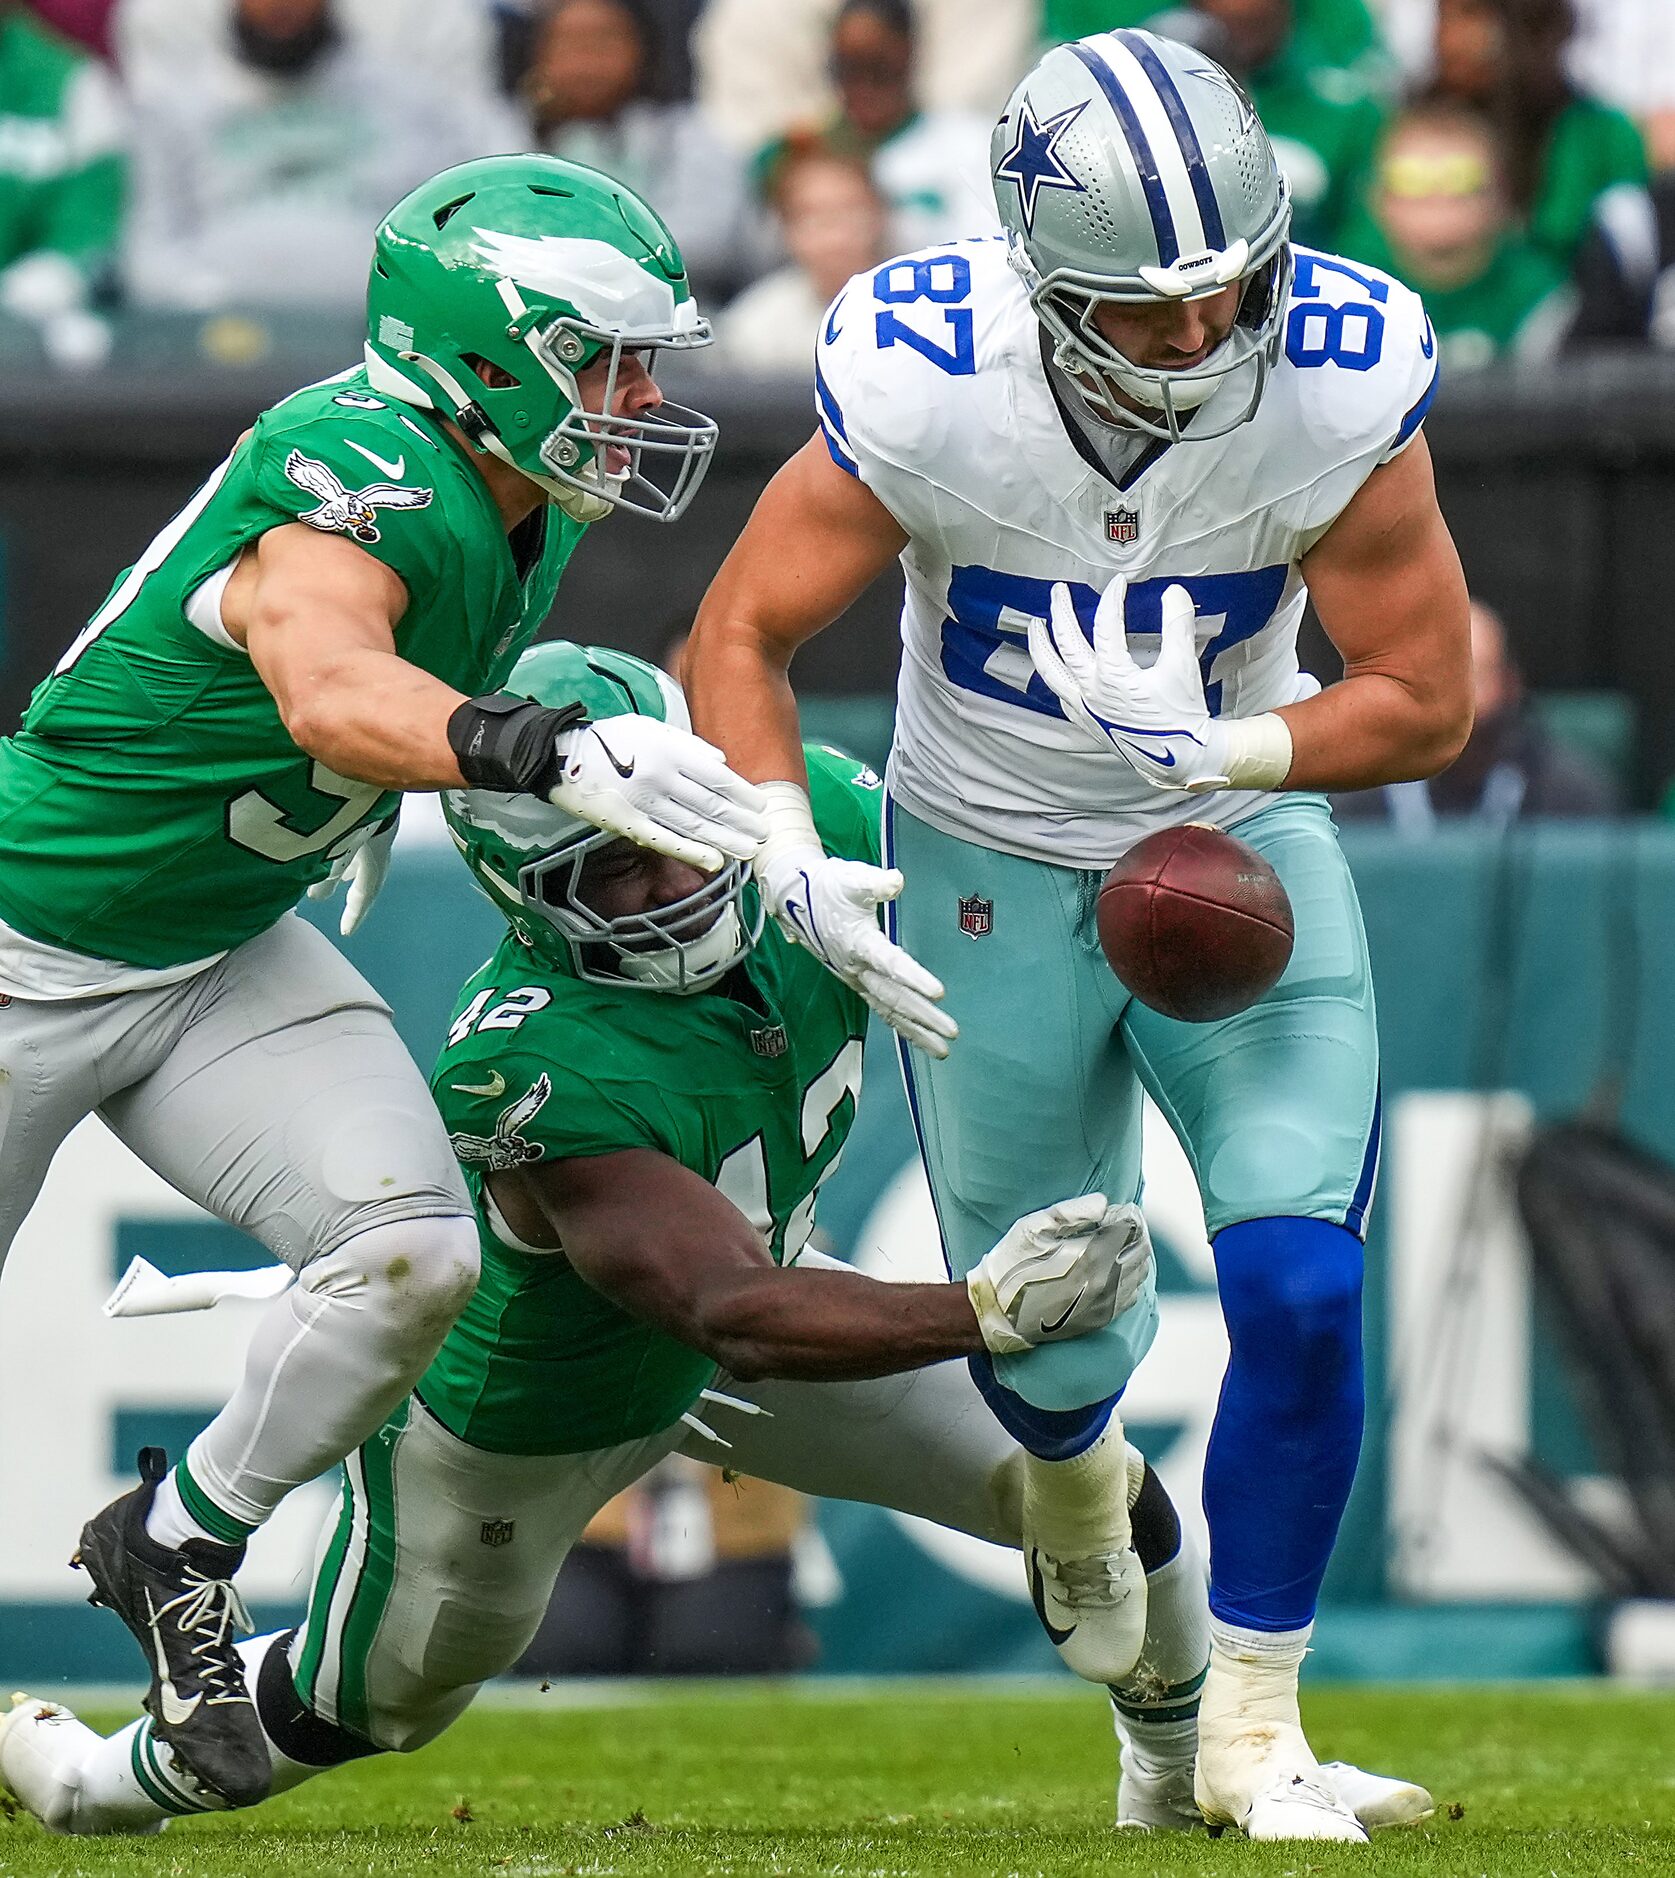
x,y
181,1607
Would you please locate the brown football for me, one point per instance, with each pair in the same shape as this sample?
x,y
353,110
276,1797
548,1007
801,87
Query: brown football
x,y
1195,923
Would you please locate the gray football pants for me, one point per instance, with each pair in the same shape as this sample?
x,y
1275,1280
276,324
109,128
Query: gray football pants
x,y
271,1089
437,1568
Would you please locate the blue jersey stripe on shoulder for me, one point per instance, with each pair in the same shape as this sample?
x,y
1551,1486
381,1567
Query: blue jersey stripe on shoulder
x,y
1416,416
1163,225
839,455
828,404
1198,171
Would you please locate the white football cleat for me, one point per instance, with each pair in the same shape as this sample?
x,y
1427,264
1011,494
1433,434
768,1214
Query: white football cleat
x,y
1377,1801
1301,1806
1151,1801
42,1750
1085,1577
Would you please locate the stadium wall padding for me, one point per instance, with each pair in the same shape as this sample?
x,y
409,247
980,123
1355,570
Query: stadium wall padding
x,y
1559,485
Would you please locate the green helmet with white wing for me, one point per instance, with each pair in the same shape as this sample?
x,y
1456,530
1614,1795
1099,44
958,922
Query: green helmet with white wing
x,y
1130,168
540,267
529,857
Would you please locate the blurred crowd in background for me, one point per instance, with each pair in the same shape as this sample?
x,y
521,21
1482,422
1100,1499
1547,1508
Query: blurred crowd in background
x,y
1513,159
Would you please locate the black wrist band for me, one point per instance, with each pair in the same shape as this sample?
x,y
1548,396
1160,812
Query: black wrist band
x,y
507,743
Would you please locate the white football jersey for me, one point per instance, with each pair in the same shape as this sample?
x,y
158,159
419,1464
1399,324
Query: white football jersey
x,y
930,388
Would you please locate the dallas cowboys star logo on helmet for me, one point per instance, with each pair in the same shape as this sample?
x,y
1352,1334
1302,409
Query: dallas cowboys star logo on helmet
x,y
1033,163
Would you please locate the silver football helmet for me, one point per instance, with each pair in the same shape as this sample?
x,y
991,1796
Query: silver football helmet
x,y
1132,168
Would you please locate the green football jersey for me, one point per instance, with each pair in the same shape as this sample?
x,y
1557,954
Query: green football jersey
x,y
153,808
751,1085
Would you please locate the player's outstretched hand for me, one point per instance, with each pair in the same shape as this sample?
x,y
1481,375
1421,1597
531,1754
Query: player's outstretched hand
x,y
1157,717
1059,1273
831,907
662,787
363,867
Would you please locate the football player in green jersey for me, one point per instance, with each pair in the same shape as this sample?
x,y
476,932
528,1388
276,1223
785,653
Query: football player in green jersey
x,y
327,623
644,1170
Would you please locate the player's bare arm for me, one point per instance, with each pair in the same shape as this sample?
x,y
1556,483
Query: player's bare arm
x,y
318,617
1388,586
765,603
663,1243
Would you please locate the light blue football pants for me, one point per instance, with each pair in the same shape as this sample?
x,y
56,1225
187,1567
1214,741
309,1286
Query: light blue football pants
x,y
1039,1099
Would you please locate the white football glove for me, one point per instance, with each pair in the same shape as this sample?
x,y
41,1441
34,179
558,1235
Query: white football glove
x,y
1059,1273
831,907
662,787
364,867
1156,718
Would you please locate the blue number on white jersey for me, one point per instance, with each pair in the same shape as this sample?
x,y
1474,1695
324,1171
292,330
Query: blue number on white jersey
x,y
985,644
945,281
1322,332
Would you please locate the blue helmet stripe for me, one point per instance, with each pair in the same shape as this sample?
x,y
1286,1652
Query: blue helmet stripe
x,y
1203,189
1163,225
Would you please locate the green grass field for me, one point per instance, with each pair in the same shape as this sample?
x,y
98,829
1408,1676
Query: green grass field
x,y
924,1778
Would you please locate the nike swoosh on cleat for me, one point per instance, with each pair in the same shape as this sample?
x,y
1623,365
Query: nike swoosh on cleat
x,y
495,1086
1038,1592
176,1713
1052,1329
395,471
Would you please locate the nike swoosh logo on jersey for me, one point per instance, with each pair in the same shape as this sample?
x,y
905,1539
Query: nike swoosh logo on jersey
x,y
176,1713
1038,1592
394,470
1052,1329
1428,344
832,327
495,1086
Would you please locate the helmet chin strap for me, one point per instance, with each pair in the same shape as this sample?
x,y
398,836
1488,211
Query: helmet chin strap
x,y
690,967
579,504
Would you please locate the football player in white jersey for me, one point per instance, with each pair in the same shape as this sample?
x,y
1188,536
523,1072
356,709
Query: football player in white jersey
x,y
1116,452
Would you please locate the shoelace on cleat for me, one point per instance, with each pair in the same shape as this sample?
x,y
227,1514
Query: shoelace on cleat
x,y
1085,1582
1302,1787
210,1610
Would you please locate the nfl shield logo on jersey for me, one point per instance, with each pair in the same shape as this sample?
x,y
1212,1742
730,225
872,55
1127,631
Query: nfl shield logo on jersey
x,y
977,918
498,1532
1122,526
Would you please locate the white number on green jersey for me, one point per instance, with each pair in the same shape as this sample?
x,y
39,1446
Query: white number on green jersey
x,y
258,823
743,1176
508,1014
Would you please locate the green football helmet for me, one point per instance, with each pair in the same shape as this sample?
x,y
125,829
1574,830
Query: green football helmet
x,y
539,266
528,856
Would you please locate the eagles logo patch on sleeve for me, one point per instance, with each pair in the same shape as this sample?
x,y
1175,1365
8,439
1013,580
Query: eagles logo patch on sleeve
x,y
508,1146
345,511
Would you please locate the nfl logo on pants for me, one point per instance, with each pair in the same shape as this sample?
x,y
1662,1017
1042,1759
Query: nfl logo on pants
x,y
977,918
1122,526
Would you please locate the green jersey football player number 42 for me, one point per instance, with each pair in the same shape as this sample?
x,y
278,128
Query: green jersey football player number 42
x,y
324,625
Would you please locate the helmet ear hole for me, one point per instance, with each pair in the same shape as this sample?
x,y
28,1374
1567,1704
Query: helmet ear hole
x,y
496,377
449,210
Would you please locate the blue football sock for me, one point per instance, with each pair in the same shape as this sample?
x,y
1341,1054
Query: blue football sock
x,y
1287,1433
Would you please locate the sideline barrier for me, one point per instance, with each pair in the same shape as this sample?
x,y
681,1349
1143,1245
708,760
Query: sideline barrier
x,y
1559,485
